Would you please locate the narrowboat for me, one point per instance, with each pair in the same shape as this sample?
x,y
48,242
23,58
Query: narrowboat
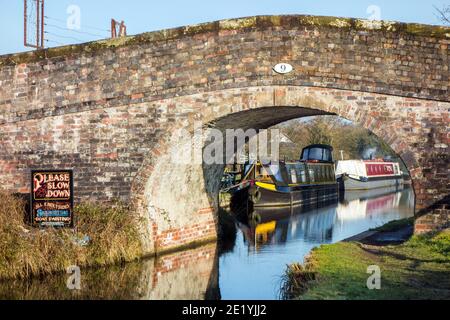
x,y
369,174
299,183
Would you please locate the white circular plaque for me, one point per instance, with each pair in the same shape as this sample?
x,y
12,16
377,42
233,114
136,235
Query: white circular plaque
x,y
283,68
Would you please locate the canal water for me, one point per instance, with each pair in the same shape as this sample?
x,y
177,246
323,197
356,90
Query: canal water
x,y
254,268
249,266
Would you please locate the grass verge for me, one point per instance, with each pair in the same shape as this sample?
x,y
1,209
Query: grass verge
x,y
417,269
103,236
395,225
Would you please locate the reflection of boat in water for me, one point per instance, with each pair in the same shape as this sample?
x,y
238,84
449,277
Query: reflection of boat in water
x,y
325,223
310,180
372,193
265,214
369,174
368,204
279,225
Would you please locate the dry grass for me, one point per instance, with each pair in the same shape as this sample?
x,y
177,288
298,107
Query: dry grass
x,y
26,252
297,279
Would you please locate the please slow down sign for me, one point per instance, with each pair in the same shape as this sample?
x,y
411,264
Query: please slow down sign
x,y
52,198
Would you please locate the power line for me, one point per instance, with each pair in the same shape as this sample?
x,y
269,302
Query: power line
x,y
67,37
84,25
57,42
77,31
36,17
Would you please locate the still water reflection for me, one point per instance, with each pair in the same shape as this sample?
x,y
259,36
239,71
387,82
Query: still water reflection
x,y
253,269
250,269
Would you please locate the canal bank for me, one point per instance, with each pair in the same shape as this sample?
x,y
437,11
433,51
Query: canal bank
x,y
418,268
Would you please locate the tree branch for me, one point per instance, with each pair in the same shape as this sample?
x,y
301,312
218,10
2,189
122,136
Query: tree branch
x,y
443,14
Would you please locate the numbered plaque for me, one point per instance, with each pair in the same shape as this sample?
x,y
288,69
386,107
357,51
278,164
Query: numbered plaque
x,y
283,68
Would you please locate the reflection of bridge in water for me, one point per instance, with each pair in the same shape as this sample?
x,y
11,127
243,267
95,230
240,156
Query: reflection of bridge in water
x,y
190,274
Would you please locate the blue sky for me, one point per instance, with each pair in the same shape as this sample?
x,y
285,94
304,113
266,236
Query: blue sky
x,y
141,16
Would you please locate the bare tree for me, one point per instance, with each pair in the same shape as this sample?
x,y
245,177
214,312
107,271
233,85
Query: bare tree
x,y
443,14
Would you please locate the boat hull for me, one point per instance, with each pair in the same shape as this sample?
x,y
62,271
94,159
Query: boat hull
x,y
267,214
356,184
303,196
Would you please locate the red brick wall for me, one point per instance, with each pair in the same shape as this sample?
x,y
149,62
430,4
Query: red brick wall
x,y
106,109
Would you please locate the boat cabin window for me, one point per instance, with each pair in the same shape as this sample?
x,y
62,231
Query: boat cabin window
x,y
326,173
331,175
275,171
303,175
317,154
319,172
293,176
296,172
312,176
323,173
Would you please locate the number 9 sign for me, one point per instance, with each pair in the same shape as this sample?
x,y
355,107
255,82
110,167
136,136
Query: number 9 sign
x,y
283,68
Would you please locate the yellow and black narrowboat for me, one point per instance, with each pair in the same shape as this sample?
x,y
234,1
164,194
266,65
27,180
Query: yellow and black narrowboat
x,y
299,183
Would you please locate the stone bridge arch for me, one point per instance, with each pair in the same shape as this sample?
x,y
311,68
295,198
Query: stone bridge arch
x,y
180,200
108,109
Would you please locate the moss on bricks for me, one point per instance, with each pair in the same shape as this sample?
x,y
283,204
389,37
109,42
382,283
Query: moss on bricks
x,y
288,21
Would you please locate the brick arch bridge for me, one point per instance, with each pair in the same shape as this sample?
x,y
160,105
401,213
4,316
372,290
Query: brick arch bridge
x,y
111,109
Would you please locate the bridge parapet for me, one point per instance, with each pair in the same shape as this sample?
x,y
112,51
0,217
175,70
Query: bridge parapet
x,y
381,57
